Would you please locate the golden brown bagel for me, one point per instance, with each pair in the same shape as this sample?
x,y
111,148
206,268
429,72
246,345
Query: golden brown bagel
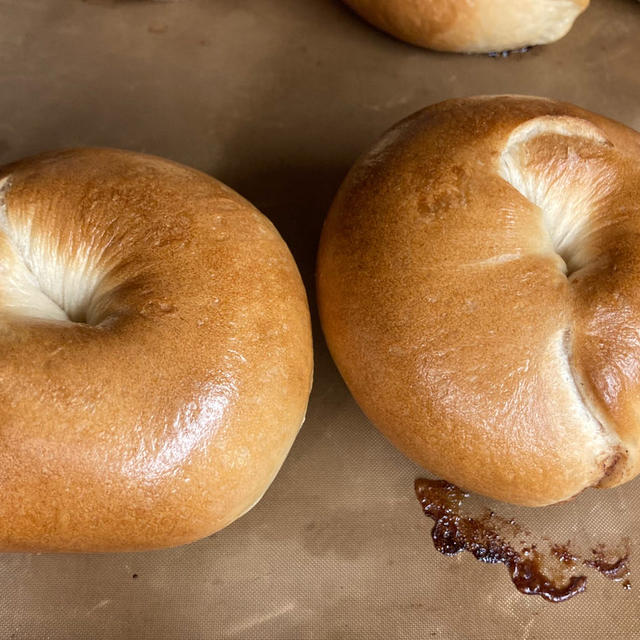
x,y
155,353
472,26
479,289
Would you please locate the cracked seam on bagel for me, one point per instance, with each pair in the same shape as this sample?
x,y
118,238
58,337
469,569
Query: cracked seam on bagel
x,y
493,260
612,440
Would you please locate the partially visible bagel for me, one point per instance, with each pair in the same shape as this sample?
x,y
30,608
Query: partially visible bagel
x,y
479,289
472,26
155,353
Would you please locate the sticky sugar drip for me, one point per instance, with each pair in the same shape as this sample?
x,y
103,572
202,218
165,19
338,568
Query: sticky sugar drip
x,y
454,532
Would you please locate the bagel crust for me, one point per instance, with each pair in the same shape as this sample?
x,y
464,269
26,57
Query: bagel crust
x,y
472,26
155,353
479,289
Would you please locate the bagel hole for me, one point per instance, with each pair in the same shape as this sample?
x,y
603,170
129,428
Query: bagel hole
x,y
556,164
562,228
69,289
38,280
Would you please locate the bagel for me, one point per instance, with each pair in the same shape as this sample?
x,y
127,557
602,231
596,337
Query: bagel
x,y
155,353
479,26
479,289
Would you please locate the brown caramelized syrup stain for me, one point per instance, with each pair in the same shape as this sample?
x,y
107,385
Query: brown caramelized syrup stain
x,y
483,537
617,569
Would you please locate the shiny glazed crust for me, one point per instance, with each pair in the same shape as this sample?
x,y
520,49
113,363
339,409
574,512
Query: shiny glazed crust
x,y
478,286
155,353
472,26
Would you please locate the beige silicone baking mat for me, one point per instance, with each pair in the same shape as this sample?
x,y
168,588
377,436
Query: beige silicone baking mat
x,y
277,98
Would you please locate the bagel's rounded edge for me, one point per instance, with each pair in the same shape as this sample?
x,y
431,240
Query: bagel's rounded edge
x,y
483,26
171,417
383,325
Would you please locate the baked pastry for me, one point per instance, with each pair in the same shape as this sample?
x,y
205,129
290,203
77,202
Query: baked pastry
x,y
479,289
155,353
479,26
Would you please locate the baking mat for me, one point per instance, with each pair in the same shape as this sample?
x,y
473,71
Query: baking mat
x,y
277,98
